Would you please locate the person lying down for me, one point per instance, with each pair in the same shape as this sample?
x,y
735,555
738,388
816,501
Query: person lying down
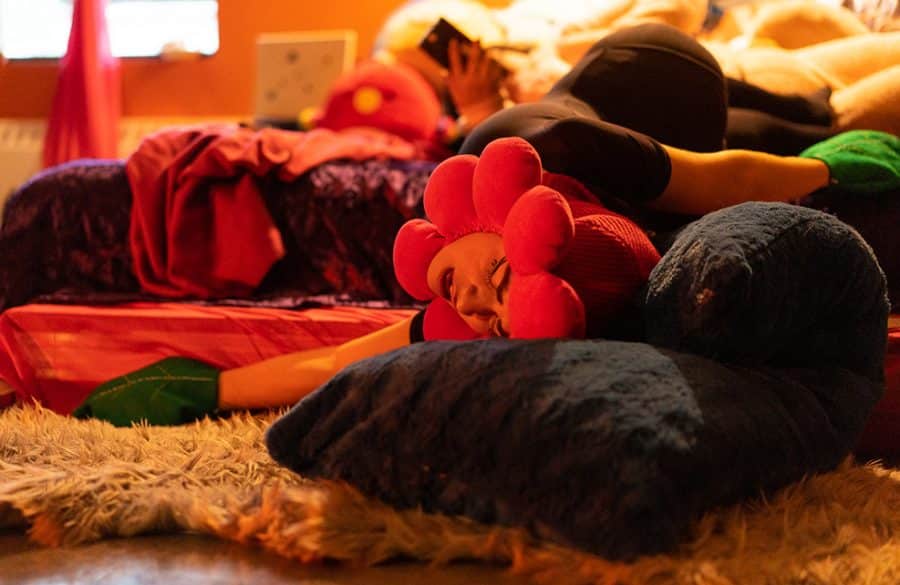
x,y
514,250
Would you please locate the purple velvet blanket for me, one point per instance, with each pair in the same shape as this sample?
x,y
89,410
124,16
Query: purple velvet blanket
x,y
65,235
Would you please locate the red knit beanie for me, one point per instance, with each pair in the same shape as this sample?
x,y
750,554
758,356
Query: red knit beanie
x,y
575,264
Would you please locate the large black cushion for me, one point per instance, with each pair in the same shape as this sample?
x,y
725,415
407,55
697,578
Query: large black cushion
x,y
768,330
610,446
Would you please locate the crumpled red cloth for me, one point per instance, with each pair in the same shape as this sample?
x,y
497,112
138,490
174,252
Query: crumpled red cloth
x,y
199,225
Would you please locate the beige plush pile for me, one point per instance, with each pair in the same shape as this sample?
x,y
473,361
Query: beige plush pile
x,y
70,482
787,47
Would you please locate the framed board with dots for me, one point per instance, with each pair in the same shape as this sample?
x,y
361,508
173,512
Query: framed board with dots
x,y
295,70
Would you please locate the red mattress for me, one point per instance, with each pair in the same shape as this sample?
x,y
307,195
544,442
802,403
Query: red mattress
x,y
57,354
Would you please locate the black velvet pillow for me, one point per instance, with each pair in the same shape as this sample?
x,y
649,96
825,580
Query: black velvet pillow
x,y
772,284
609,446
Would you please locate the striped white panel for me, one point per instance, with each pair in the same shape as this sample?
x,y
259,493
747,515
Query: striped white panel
x,y
22,139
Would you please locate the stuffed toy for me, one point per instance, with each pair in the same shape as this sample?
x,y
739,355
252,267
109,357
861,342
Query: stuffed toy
x,y
575,264
390,97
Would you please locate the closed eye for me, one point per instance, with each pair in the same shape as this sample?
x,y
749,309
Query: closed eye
x,y
504,282
497,329
493,268
446,284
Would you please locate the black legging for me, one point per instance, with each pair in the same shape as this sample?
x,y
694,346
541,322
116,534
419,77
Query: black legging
x,y
757,130
649,83
655,80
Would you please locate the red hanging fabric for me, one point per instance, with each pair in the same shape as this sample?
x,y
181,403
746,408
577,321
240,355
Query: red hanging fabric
x,y
85,116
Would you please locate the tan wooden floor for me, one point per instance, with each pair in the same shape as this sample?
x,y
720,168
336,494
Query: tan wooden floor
x,y
197,560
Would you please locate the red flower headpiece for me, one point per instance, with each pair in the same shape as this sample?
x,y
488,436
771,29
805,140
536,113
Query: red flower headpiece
x,y
571,272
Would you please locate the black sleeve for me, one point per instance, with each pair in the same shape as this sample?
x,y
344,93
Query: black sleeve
x,y
812,109
755,130
611,160
417,327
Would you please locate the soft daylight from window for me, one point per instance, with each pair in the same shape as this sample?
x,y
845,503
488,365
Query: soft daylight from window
x,y
39,29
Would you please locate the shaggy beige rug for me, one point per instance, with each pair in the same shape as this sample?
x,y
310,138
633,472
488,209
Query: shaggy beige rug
x,y
68,482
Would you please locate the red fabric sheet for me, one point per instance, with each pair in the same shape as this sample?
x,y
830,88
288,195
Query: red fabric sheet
x,y
199,225
57,354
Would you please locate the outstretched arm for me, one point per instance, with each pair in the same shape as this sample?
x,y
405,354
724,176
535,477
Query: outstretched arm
x,y
704,182
860,162
177,390
283,380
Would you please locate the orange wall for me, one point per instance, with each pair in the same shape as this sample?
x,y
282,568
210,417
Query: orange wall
x,y
218,85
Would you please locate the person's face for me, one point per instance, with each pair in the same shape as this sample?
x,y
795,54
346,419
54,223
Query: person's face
x,y
472,274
